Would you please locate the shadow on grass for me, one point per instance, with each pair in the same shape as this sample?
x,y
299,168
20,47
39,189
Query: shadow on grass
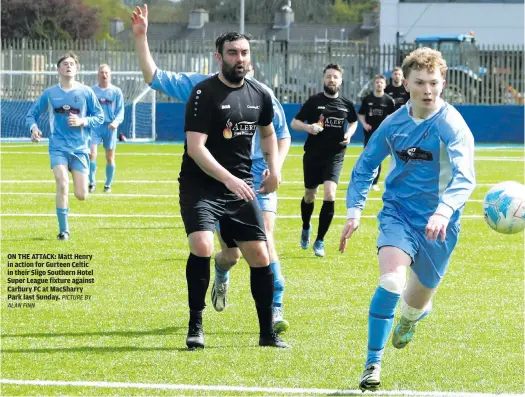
x,y
30,239
142,228
101,349
160,331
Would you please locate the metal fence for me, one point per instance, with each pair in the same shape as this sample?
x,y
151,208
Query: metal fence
x,y
490,75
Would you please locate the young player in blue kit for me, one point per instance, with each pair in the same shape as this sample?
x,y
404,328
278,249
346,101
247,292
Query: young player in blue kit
x,y
112,102
179,85
431,177
73,111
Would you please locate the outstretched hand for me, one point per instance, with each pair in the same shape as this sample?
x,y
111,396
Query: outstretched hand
x,y
349,228
140,20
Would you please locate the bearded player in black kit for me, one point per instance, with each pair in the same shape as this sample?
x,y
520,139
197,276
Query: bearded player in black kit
x,y
216,185
324,117
396,89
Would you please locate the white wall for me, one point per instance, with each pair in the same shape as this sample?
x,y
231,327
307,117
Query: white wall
x,y
492,23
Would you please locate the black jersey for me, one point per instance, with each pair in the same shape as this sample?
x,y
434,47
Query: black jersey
x,y
331,114
229,116
375,109
399,94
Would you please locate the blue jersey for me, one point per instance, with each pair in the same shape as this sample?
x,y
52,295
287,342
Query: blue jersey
x,y
179,85
112,102
80,100
431,168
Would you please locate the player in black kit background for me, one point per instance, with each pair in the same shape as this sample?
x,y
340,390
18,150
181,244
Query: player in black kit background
x,y
373,110
396,89
330,121
216,185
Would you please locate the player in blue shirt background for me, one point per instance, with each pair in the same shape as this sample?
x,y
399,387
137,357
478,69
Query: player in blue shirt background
x,y
73,111
431,177
112,102
179,85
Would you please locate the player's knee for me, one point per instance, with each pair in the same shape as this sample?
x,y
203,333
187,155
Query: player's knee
x,y
62,186
201,246
230,257
261,259
309,197
81,195
393,282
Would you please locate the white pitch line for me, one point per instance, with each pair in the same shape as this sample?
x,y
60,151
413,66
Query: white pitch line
x,y
166,216
172,196
174,181
119,154
479,158
105,195
240,389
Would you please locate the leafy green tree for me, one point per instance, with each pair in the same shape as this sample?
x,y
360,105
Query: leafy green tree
x,y
108,10
350,11
48,19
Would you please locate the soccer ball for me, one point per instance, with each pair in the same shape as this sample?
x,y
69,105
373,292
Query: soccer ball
x,y
504,207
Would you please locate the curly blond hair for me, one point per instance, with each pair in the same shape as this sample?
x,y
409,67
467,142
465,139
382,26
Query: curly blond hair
x,y
424,58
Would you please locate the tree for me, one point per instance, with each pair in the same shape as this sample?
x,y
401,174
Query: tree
x,y
108,10
164,11
350,11
48,19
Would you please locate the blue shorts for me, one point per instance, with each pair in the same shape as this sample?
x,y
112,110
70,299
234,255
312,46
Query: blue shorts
x,y
267,202
429,258
105,135
77,161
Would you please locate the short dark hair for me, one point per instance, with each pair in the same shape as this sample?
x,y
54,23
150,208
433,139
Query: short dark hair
x,y
380,76
230,36
333,66
68,55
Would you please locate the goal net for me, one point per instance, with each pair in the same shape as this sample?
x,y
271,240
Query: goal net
x,y
19,89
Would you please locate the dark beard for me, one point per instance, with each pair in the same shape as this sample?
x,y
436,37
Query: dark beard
x,y
330,90
231,74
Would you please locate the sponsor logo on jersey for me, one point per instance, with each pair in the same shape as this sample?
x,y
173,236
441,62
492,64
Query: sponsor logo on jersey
x,y
414,153
252,106
225,107
321,107
227,132
242,128
335,122
66,109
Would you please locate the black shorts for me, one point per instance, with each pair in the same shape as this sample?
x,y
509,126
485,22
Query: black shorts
x,y
318,168
238,220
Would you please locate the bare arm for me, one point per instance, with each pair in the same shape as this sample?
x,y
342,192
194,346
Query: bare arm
x,y
366,126
140,29
299,125
201,155
270,150
283,146
351,129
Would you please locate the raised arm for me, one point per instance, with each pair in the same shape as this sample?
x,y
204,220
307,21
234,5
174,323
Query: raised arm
x,y
140,30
